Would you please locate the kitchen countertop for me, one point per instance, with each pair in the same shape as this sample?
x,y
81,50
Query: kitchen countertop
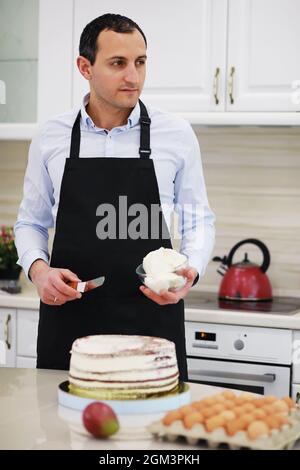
x,y
30,417
28,299
194,313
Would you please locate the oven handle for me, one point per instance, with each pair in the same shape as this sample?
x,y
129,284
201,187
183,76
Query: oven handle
x,y
234,375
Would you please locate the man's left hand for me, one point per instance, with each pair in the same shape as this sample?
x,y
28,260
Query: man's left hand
x,y
166,297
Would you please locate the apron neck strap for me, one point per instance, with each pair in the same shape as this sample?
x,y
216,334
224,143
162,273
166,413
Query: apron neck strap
x,y
145,121
75,138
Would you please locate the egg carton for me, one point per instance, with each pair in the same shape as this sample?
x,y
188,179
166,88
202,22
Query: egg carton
x,y
278,439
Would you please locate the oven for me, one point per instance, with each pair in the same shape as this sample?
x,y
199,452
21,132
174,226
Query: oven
x,y
252,359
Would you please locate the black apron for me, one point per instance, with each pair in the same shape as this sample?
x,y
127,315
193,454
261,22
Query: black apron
x,y
118,307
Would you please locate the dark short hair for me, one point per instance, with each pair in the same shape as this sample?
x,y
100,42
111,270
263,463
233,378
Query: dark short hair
x,y
110,21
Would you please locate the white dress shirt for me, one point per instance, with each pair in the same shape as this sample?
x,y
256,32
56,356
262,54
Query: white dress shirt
x,y
177,162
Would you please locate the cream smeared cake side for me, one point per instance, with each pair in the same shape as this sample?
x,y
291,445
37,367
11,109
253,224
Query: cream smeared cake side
x,y
122,366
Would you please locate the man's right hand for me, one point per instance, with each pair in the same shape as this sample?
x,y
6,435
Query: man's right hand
x,y
51,283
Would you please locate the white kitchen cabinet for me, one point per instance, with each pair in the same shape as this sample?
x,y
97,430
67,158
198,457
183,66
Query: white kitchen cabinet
x,y
18,60
263,55
214,58
185,48
26,362
18,337
27,326
7,337
57,50
190,43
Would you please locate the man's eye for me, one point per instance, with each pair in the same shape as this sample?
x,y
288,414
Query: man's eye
x,y
117,62
141,62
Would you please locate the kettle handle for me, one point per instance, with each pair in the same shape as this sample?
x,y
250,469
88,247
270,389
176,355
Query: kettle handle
x,y
254,241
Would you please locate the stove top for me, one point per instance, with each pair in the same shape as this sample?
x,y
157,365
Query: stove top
x,y
277,306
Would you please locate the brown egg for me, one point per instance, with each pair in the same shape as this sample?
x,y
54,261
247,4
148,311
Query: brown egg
x,y
281,418
280,405
185,410
238,410
209,401
193,418
289,401
257,429
228,394
199,405
219,398
229,404
247,396
259,402
218,407
259,413
269,409
235,425
247,418
170,417
208,412
247,407
214,422
227,415
239,400
272,422
270,399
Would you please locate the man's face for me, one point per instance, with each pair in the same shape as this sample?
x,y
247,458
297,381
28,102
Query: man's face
x,y
119,67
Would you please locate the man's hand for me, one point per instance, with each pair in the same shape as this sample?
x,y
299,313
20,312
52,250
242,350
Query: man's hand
x,y
166,297
51,283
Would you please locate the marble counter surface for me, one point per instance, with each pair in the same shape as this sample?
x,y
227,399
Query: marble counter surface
x,y
28,298
30,417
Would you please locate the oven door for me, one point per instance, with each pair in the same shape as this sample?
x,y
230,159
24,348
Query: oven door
x,y
266,379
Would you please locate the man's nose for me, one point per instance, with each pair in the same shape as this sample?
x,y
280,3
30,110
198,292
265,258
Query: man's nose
x,y
131,75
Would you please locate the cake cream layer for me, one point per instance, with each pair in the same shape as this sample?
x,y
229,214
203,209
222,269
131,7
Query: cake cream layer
x,y
162,383
134,375
98,363
122,345
109,394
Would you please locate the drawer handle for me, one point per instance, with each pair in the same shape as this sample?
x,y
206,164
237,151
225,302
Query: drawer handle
x,y
269,378
6,331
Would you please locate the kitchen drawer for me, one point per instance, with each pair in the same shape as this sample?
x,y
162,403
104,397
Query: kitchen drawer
x,y
26,362
27,325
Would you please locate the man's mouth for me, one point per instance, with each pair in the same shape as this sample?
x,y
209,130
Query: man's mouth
x,y
130,90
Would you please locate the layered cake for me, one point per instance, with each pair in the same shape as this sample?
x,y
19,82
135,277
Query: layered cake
x,y
122,367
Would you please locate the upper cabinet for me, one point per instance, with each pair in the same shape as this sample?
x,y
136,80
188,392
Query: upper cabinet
x,y
212,61
263,55
18,60
212,55
186,46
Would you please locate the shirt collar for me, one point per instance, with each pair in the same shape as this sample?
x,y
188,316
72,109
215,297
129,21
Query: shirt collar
x,y
133,118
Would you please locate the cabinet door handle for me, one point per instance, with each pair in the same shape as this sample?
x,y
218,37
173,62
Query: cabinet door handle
x,y
230,85
6,331
216,85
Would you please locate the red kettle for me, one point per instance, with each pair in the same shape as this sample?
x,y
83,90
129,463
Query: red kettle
x,y
245,280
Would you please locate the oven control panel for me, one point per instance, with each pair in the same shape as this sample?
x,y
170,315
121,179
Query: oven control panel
x,y
254,344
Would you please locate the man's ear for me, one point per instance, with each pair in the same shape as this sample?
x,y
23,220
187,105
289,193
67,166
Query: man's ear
x,y
84,67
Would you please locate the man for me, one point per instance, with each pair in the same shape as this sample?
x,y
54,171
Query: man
x,y
118,150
